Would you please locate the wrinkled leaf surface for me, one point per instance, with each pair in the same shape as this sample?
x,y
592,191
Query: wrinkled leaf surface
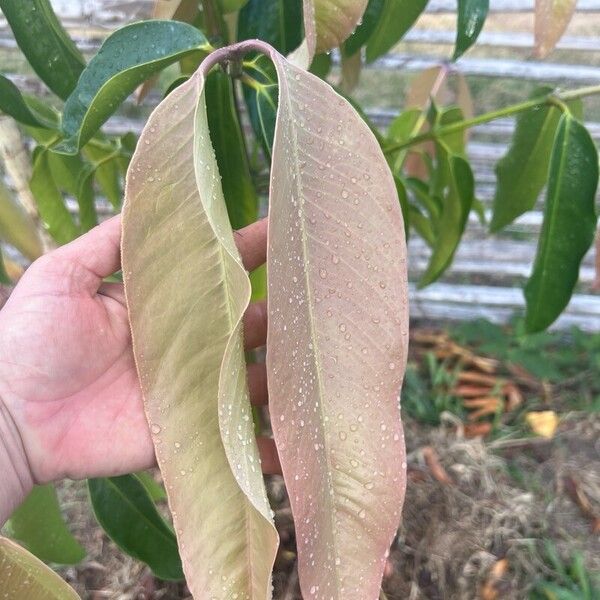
x,y
186,292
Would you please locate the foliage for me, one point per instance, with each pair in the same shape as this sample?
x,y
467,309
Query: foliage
x,y
335,362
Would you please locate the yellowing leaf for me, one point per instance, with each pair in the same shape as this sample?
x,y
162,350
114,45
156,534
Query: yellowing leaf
x,y
337,337
543,423
23,576
551,19
186,292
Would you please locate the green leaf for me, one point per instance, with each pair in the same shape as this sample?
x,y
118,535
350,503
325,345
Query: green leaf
x,y
229,145
15,104
23,576
397,17
51,205
45,44
125,60
278,22
404,204
38,525
471,18
107,172
321,65
16,227
569,224
523,170
127,513
154,489
261,102
366,27
4,278
459,189
228,6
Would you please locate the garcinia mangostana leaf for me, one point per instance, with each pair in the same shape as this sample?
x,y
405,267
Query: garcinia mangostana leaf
x,y
126,59
551,19
186,292
15,104
365,28
337,336
24,576
569,224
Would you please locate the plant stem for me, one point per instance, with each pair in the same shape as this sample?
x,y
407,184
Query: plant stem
x,y
546,99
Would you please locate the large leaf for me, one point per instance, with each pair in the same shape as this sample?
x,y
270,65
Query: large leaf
x,y
551,20
471,18
278,22
228,143
40,527
24,576
127,513
569,224
17,228
337,336
44,42
186,291
397,17
126,59
49,200
365,28
13,103
523,170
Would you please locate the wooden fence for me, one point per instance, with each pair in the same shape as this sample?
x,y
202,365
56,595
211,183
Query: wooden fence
x,y
488,269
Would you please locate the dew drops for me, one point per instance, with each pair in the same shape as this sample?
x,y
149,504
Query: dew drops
x,y
155,429
382,285
335,259
342,327
353,463
392,366
322,273
369,485
343,436
362,513
345,194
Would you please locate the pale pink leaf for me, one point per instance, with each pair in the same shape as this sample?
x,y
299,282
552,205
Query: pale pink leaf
x,y
337,337
551,20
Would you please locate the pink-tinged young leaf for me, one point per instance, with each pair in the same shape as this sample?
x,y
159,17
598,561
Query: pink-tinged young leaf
x,y
186,292
23,576
337,336
327,23
551,20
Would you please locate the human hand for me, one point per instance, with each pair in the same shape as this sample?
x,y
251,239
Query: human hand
x,y
68,383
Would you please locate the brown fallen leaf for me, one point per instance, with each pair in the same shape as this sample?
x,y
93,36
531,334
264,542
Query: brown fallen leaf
x,y
472,430
579,497
484,406
490,590
435,467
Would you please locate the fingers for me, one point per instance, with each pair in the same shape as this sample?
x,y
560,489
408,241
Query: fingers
x,y
252,244
257,383
268,456
113,290
255,325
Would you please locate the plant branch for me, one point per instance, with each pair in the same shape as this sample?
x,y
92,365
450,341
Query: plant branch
x,y
547,99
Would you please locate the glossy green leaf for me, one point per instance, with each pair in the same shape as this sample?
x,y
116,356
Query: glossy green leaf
x,y
471,18
569,224
107,173
155,490
321,65
16,227
49,200
365,28
458,194
397,17
44,42
125,510
278,22
39,526
13,103
126,59
523,170
261,102
191,360
337,336
24,577
229,145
